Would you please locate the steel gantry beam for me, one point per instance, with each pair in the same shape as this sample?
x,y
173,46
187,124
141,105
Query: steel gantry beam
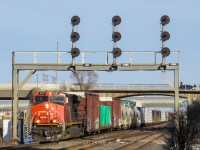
x,y
17,67
95,67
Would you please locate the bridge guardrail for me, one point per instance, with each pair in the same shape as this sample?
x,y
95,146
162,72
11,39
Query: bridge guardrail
x,y
98,86
111,86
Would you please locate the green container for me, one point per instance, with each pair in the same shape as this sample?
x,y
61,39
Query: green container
x,y
105,115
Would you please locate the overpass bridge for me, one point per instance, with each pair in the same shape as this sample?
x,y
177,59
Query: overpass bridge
x,y
106,89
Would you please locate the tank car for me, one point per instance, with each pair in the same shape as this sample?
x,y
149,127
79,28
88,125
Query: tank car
x,y
130,114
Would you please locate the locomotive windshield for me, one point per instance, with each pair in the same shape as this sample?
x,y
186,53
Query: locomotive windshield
x,y
40,99
57,99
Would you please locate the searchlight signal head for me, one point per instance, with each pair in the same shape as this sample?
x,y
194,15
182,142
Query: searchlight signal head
x,y
165,51
75,52
164,20
74,36
116,52
165,36
116,36
116,20
75,20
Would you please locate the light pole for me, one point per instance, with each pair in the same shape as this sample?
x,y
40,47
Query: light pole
x,y
37,81
57,63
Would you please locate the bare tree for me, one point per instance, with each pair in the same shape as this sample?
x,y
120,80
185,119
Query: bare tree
x,y
185,132
84,79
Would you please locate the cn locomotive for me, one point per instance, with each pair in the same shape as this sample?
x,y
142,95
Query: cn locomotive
x,y
57,116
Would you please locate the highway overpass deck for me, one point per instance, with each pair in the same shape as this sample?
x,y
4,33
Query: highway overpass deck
x,y
111,90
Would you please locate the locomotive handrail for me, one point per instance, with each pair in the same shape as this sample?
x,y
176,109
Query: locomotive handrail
x,y
32,120
63,126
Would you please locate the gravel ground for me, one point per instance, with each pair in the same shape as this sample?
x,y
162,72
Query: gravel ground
x,y
101,138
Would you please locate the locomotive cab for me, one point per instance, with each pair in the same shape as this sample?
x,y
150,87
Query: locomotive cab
x,y
48,116
57,116
48,108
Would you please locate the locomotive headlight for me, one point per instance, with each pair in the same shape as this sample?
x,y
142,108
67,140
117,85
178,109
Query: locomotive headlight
x,y
38,121
54,121
47,106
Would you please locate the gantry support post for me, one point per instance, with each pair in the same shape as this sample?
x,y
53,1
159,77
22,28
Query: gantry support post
x,y
176,91
15,90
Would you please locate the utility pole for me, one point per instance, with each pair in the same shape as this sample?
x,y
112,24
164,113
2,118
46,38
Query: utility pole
x,y
57,63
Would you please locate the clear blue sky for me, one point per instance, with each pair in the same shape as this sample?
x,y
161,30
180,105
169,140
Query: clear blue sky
x,y
40,24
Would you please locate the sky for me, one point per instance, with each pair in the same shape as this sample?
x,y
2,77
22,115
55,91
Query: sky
x,y
38,26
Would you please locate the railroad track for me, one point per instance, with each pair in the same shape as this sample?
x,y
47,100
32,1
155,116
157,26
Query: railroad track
x,y
142,142
135,139
123,139
95,139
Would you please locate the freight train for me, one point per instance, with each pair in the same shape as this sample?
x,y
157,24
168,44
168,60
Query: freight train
x,y
57,116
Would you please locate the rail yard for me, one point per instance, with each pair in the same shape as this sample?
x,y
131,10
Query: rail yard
x,y
113,102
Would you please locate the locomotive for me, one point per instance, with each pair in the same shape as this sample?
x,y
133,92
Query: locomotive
x,y
57,115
